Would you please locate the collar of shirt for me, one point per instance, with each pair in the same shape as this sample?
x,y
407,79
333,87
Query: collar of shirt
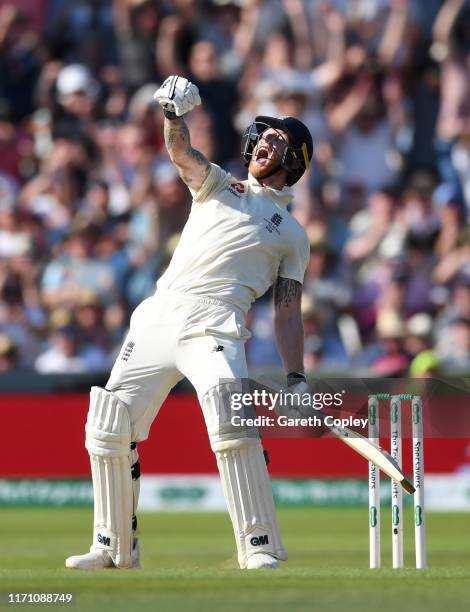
x,y
281,197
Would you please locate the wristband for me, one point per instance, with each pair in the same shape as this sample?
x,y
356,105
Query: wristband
x,y
295,377
170,114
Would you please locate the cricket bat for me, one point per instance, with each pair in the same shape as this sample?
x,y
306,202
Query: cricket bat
x,y
362,445
370,451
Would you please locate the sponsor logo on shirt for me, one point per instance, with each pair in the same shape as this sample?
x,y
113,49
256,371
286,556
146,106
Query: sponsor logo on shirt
x,y
237,189
274,223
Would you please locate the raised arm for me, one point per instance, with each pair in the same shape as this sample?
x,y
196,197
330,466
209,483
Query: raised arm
x,y
394,33
330,71
344,112
303,51
288,326
192,166
121,16
445,21
244,39
178,96
166,45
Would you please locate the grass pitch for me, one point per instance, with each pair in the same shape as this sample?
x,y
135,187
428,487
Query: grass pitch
x,y
190,565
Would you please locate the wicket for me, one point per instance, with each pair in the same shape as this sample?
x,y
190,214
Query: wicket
x,y
396,491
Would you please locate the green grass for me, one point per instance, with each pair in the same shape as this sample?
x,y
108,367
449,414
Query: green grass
x,y
189,564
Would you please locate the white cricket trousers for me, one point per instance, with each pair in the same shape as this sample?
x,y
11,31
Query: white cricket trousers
x,y
173,336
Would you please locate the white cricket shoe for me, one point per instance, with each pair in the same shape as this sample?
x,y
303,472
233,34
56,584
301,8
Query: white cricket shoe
x,y
262,561
100,559
94,560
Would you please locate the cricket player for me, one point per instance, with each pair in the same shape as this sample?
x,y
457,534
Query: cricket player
x,y
239,240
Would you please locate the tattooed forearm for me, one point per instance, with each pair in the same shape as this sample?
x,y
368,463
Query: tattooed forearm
x,y
198,157
288,328
192,165
286,291
177,136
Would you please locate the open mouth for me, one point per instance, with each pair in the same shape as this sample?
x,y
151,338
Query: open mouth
x,y
262,153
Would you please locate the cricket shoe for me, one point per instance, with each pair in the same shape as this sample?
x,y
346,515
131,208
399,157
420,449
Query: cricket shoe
x,y
101,559
262,561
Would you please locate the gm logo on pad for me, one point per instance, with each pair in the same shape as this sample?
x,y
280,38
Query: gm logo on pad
x,y
259,541
103,540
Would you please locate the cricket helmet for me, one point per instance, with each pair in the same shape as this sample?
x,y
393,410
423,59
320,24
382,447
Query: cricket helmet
x,y
297,155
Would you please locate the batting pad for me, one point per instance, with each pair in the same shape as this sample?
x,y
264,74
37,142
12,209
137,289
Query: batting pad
x,y
108,438
248,493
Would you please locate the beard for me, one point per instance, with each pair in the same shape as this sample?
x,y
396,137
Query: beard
x,y
260,167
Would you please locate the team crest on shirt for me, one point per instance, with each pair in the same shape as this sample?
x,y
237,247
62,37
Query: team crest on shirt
x,y
237,189
274,223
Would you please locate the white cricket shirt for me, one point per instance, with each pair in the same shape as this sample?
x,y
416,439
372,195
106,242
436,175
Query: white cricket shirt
x,y
238,239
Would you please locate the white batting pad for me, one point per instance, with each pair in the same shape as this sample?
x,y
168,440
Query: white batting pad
x,y
248,493
108,438
244,476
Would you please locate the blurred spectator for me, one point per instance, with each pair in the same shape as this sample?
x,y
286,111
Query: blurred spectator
x,y
116,324
327,283
419,333
14,240
93,335
61,354
451,47
78,269
451,327
420,215
219,96
16,149
172,200
313,344
20,60
136,24
261,348
455,352
54,194
450,210
419,346
91,208
8,354
392,359
77,93
82,31
142,112
370,230
365,137
460,158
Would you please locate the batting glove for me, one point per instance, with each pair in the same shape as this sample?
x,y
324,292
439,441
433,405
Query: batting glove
x,y
293,407
297,384
177,96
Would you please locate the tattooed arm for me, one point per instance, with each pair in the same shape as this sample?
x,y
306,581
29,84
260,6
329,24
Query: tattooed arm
x,y
192,165
288,326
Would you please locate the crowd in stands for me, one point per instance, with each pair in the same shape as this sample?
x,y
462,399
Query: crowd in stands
x,y
91,208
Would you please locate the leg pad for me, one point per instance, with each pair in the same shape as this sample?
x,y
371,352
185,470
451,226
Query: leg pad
x,y
108,440
247,491
244,476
